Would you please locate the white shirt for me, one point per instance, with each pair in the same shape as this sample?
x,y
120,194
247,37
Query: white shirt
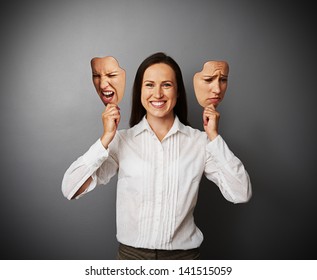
x,y
158,181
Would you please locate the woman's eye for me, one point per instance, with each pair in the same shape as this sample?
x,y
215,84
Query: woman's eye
x,y
167,85
208,80
150,85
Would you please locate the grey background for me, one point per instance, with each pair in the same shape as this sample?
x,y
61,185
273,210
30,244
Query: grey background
x,y
50,115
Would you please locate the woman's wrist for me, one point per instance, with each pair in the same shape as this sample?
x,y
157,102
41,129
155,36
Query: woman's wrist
x,y
212,135
105,140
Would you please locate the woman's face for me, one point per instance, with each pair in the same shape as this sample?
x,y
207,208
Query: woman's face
x,y
210,84
159,91
108,79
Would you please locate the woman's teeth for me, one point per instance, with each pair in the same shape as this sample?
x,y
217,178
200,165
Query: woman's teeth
x,y
158,104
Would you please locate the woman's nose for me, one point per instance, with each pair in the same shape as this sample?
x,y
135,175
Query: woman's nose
x,y
158,92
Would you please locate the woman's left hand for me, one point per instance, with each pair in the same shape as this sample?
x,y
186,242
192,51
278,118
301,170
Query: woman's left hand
x,y
211,120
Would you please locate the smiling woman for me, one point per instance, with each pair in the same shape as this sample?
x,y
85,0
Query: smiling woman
x,y
175,79
156,200
159,95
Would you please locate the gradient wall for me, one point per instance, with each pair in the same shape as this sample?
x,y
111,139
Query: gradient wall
x,y
50,115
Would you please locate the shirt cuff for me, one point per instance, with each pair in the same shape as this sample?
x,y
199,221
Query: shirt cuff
x,y
96,154
219,151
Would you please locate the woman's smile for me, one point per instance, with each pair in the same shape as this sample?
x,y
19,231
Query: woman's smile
x,y
158,104
159,91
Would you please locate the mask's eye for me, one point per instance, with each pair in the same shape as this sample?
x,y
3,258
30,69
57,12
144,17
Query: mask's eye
x,y
208,80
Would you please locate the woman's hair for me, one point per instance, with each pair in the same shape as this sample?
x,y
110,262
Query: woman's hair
x,y
138,111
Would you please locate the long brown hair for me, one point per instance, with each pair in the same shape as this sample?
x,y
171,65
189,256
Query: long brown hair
x,y
138,111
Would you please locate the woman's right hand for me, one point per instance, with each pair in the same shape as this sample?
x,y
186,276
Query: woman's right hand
x,y
110,119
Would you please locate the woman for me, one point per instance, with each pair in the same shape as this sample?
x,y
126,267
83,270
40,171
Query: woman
x,y
160,161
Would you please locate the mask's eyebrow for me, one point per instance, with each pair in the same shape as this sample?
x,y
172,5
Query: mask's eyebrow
x,y
213,76
112,72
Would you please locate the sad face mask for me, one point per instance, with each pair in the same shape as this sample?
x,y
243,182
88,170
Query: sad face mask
x,y
210,84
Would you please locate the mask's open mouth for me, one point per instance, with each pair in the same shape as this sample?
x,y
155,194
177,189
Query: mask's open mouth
x,y
107,96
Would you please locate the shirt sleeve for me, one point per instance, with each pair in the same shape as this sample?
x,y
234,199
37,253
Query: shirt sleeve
x,y
96,163
227,172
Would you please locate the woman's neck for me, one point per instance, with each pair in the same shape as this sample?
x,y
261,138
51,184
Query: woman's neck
x,y
161,126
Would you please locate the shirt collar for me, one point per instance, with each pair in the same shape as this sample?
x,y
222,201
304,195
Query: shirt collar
x,y
144,125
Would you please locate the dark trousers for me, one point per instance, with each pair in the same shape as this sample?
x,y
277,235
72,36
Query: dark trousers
x,y
131,253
